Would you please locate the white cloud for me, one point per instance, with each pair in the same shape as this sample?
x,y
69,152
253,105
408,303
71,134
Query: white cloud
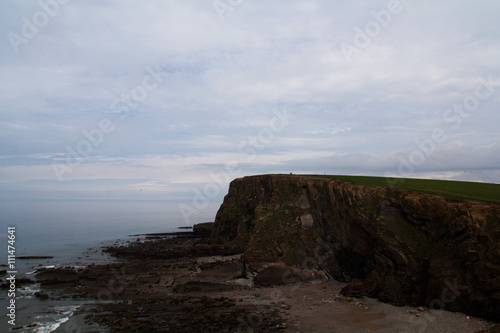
x,y
223,79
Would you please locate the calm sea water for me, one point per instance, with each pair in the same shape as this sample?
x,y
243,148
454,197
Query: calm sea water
x,y
50,226
66,230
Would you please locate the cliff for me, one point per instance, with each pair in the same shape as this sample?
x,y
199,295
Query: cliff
x,y
399,246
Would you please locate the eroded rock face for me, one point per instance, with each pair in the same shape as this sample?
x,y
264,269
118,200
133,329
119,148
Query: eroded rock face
x,y
399,246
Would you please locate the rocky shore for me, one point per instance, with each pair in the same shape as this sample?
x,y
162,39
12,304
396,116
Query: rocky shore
x,y
185,283
169,284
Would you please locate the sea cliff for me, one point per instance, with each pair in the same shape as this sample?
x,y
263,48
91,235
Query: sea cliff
x,y
402,247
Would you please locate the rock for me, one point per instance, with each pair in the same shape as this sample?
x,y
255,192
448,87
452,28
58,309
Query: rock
x,y
223,272
203,229
20,281
41,295
307,221
402,247
343,299
276,275
494,329
248,283
34,257
57,276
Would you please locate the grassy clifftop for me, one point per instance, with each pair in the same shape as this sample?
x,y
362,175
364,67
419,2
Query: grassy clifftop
x,y
459,190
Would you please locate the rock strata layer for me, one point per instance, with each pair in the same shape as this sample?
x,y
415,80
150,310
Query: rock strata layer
x,y
402,247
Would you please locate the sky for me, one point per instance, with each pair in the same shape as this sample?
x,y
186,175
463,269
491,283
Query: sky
x,y
171,100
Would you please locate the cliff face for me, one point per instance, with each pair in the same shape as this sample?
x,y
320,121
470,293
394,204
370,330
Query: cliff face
x,y
399,246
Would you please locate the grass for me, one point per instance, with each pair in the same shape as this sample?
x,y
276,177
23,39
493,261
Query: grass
x,y
450,189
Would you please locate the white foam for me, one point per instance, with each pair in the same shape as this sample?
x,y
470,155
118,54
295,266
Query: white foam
x,y
28,291
65,312
49,266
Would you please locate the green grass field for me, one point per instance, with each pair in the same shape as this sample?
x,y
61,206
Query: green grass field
x,y
446,188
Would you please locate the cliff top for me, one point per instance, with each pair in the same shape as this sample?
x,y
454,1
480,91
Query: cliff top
x,y
450,189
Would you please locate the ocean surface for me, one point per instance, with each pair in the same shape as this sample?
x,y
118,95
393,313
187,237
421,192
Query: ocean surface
x,y
73,232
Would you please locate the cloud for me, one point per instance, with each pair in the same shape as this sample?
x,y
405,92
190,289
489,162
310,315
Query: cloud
x,y
219,83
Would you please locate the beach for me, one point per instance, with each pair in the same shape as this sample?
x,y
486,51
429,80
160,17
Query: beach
x,y
185,284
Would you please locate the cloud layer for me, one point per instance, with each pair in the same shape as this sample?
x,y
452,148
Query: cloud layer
x,y
188,89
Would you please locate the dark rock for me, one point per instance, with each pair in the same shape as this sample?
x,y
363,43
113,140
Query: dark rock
x,y
197,286
41,295
223,272
34,257
403,247
277,275
494,329
20,281
203,229
55,277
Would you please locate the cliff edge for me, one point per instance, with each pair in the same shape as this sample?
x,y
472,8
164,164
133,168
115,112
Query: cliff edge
x,y
402,247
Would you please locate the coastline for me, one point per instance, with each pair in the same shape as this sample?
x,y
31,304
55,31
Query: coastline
x,y
34,312
183,282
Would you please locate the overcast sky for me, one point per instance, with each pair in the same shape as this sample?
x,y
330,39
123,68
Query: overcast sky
x,y
167,100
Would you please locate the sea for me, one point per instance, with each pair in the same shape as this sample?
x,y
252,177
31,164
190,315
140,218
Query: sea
x,y
73,232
